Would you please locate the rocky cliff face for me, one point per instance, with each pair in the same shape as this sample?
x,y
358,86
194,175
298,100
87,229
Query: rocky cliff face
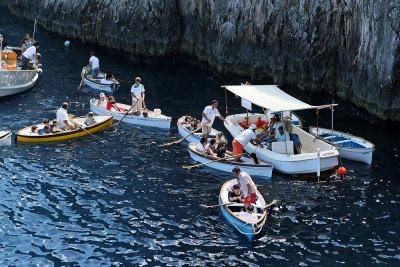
x,y
345,47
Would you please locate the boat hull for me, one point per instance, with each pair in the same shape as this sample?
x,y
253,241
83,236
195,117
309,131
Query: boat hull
x,y
262,170
362,154
5,138
305,163
12,90
194,138
24,138
162,122
109,88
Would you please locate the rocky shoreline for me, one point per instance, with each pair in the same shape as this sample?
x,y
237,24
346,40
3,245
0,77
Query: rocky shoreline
x,y
343,47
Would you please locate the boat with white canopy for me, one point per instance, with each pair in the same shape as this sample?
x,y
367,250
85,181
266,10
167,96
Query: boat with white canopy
x,y
315,155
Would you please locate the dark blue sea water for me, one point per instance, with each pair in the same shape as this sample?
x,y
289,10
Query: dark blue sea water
x,y
128,202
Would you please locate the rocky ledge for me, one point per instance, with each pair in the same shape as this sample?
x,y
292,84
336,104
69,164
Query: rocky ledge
x,y
348,48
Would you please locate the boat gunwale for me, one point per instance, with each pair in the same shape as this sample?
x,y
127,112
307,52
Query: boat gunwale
x,y
84,76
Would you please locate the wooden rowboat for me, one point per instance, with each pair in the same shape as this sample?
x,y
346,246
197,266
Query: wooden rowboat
x,y
5,138
153,119
195,138
349,146
96,84
236,218
25,134
246,164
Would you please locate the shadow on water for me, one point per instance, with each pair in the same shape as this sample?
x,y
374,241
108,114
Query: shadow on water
x,y
129,202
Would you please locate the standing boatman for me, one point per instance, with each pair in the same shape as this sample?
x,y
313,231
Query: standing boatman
x,y
208,115
94,62
137,92
247,186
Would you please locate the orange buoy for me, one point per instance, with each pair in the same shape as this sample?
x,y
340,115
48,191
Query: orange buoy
x,y
342,171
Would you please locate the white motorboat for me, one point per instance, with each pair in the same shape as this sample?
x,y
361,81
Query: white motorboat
x,y
152,119
350,147
96,83
315,155
5,138
13,80
195,138
246,164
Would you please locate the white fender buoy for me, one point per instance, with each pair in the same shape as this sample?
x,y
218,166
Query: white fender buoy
x,y
67,43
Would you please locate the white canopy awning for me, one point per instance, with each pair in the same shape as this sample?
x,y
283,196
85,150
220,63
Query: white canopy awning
x,y
269,97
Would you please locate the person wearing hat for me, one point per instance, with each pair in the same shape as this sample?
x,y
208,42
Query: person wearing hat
x,y
63,118
90,119
242,140
30,54
209,114
137,92
247,186
102,102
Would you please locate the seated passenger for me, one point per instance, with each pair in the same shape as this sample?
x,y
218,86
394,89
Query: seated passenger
x,y
221,150
202,146
211,150
112,105
187,124
235,195
249,216
47,127
54,127
198,124
109,79
282,135
261,124
218,139
102,102
34,129
90,119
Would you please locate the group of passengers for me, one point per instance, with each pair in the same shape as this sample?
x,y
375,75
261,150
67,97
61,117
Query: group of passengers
x,y
215,148
109,103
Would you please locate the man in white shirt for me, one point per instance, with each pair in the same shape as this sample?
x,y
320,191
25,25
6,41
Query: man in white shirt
x,y
137,92
30,54
282,135
242,139
63,119
94,62
247,186
209,114
108,79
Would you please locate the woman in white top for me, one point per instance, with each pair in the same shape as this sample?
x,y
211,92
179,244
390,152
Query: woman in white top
x,y
102,103
202,146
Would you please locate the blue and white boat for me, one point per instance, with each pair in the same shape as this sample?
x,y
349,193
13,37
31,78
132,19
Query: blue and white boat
x,y
349,146
194,138
240,219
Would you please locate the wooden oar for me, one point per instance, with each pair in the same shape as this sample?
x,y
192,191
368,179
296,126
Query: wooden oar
x,y
126,113
219,205
180,140
270,204
83,78
77,124
205,163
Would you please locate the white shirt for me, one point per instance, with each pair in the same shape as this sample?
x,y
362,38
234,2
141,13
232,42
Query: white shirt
x,y
244,137
62,115
210,114
282,137
248,217
137,90
30,52
105,81
200,148
277,125
244,179
102,103
95,62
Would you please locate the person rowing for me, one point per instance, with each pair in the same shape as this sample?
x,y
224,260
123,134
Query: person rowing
x,y
137,92
63,118
209,114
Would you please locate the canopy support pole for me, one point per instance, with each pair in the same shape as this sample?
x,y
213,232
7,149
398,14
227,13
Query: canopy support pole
x,y
318,163
284,132
332,124
226,103
34,30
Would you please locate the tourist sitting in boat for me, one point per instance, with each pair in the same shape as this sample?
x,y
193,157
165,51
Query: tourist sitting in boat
x,y
218,138
26,42
188,123
30,54
235,195
55,128
261,124
94,63
34,129
269,132
211,150
242,139
47,126
201,147
89,121
248,215
112,105
221,151
247,186
63,118
281,135
102,102
109,79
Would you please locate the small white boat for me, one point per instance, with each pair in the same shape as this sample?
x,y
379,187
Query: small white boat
x,y
195,138
349,146
5,138
246,164
235,217
13,80
153,119
96,84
